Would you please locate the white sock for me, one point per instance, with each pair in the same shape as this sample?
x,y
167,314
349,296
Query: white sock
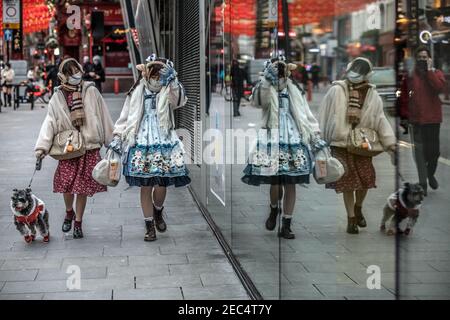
x,y
286,216
148,219
273,206
157,208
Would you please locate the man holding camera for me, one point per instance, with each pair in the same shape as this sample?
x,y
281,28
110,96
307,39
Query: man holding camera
x,y
421,106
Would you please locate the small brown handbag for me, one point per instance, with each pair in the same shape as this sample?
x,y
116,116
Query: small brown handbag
x,y
67,145
364,142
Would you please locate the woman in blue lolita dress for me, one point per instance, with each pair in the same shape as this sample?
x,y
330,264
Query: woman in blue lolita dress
x,y
152,153
284,152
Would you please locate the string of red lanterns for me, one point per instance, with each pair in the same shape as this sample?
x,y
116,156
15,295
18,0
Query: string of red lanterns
x,y
240,17
36,15
303,12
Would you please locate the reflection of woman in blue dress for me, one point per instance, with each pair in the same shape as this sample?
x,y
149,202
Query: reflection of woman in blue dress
x,y
283,155
153,156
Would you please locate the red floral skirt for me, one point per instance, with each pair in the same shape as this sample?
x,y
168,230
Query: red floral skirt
x,y
359,172
75,175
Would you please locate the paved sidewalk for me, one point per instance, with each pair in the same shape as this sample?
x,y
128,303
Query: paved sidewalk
x,y
186,262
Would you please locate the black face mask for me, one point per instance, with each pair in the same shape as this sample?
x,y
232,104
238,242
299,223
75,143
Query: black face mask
x,y
422,65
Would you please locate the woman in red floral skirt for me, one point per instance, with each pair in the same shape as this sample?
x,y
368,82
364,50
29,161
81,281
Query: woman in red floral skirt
x,y
351,103
78,105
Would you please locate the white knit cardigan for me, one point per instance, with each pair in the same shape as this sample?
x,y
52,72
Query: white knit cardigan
x,y
333,116
97,127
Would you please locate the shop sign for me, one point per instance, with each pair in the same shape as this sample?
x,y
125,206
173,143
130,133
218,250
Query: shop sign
x,y
11,14
273,13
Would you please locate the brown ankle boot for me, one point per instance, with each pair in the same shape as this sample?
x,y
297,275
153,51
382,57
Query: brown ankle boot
x,y
352,226
360,220
150,235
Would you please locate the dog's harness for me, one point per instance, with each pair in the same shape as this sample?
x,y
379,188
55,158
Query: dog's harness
x,y
39,207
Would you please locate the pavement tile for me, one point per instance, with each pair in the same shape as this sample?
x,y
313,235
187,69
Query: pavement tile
x,y
133,271
20,287
300,278
79,295
158,259
425,289
22,296
212,279
16,264
95,261
18,275
172,281
61,274
136,251
223,292
75,253
353,290
440,265
148,294
210,256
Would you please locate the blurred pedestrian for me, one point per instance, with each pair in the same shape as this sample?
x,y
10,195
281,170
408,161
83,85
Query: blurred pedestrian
x,y
421,106
238,76
76,105
338,116
99,73
7,76
88,67
30,75
51,81
315,75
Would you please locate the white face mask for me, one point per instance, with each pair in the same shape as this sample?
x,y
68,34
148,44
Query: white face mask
x,y
355,77
75,79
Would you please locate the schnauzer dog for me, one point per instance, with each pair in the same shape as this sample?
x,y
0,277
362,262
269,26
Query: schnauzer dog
x,y
403,204
29,214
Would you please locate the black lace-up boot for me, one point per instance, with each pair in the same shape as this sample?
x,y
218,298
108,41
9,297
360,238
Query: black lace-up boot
x,y
286,231
271,221
160,224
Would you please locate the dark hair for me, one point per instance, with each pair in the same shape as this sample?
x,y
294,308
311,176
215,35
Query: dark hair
x,y
67,68
423,48
8,64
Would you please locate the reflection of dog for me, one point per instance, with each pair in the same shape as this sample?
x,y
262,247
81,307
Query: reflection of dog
x,y
406,202
29,214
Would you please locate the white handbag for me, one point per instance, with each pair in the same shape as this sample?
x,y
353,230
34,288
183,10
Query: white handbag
x,y
327,168
108,171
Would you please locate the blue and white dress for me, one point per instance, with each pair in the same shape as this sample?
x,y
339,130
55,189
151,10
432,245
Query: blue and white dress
x,y
157,159
280,156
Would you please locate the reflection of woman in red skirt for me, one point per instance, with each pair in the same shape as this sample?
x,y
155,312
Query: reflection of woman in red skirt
x,y
76,105
351,103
